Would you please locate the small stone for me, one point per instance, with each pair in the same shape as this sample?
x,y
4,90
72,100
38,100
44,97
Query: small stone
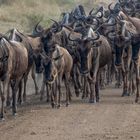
x,y
33,133
132,137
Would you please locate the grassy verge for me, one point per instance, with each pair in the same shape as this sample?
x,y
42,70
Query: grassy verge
x,y
24,14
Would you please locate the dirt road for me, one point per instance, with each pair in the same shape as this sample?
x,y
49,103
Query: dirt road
x,y
114,118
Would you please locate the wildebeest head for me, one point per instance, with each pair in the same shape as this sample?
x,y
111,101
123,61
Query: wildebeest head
x,y
49,61
84,48
49,47
121,40
15,35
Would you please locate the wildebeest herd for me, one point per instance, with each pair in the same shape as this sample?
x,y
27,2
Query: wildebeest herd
x,y
87,51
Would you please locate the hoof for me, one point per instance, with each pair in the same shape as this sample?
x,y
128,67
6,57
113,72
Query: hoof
x,y
24,99
41,98
15,114
19,102
83,97
117,85
102,86
77,92
2,117
67,104
47,100
97,100
125,94
136,100
53,105
58,106
92,101
8,103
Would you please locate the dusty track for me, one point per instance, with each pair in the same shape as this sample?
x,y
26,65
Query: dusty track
x,y
114,118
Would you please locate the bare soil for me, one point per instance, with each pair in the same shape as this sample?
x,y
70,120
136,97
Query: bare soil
x,y
114,118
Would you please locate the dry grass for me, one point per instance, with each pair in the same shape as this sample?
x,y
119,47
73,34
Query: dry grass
x,y
24,14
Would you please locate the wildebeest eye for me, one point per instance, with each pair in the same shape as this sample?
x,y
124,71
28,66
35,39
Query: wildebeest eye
x,y
1,59
52,48
79,41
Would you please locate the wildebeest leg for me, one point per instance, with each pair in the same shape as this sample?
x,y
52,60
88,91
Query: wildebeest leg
x,y
125,73
108,75
2,104
92,90
78,79
47,93
97,88
3,94
42,88
118,77
85,87
103,77
14,85
66,81
8,101
54,90
131,82
92,93
24,90
75,80
34,79
20,93
137,80
124,83
59,90
52,96
133,87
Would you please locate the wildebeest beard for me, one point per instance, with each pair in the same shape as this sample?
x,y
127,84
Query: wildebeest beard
x,y
135,47
38,63
47,70
84,61
119,51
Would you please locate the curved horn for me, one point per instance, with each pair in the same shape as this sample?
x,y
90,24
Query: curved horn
x,y
67,27
55,22
109,7
57,28
101,14
112,36
90,21
94,39
90,13
129,8
38,29
101,11
121,1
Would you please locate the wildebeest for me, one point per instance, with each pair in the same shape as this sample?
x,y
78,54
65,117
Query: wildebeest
x,y
12,69
33,46
57,64
94,52
130,26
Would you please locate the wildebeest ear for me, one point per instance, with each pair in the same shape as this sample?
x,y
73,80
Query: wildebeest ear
x,y
58,57
5,58
97,44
